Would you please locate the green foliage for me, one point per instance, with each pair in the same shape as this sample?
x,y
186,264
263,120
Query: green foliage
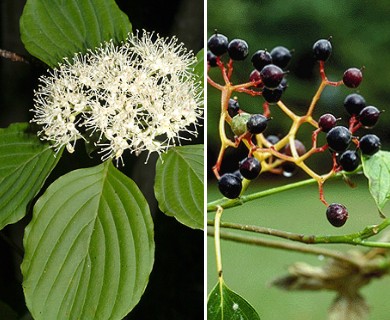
x,y
377,170
89,247
224,304
179,184
25,163
54,29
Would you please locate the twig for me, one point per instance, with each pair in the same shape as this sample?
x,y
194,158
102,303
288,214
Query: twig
x,y
12,56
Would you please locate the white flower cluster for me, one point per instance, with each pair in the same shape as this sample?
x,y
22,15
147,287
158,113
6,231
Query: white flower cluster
x,y
139,96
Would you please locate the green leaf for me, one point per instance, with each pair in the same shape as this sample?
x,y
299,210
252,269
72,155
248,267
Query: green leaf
x,y
179,184
377,169
224,304
199,67
89,248
54,29
25,163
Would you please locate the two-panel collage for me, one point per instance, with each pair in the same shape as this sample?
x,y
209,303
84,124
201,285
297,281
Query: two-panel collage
x,y
194,159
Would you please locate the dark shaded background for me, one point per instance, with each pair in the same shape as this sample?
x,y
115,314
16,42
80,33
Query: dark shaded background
x,y
175,290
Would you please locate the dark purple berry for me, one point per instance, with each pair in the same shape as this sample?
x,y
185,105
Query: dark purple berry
x,y
272,139
272,76
238,174
354,103
281,56
338,138
322,50
272,96
326,122
283,85
230,185
369,144
349,160
238,49
211,59
260,59
257,123
218,44
369,116
337,214
352,77
250,168
299,146
233,107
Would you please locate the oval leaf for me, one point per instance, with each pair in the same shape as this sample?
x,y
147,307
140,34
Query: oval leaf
x,y
25,163
89,247
179,184
377,169
224,304
54,29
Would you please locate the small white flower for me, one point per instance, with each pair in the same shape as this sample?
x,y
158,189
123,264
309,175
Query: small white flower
x,y
139,96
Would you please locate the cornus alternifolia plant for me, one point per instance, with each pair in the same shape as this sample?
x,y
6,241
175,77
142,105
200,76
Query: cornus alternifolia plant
x,y
351,142
110,99
138,96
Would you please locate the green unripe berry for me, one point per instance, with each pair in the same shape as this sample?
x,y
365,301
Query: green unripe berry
x,y
239,122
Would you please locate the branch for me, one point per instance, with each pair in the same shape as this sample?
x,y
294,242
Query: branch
x,y
357,238
285,246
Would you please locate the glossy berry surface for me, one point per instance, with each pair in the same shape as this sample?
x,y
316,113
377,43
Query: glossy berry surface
x,y
326,122
233,107
230,185
260,59
352,77
238,49
322,50
369,144
281,56
272,76
299,147
211,59
257,123
255,77
369,116
272,139
337,214
249,168
338,138
349,160
272,96
218,44
354,103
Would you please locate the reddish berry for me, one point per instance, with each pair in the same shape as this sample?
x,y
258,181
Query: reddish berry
x,y
255,77
337,214
299,146
326,122
250,168
352,77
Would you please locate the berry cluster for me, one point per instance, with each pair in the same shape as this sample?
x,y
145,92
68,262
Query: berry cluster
x,y
284,154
